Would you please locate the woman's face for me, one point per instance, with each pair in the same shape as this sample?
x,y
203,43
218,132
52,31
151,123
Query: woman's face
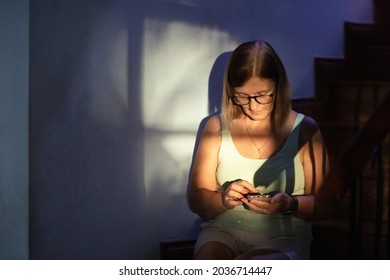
x,y
263,90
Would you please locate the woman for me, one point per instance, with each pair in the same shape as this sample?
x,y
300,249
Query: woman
x,y
257,145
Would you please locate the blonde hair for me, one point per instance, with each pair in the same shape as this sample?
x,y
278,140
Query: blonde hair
x,y
255,59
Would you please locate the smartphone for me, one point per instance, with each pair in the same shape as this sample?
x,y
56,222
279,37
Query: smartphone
x,y
263,197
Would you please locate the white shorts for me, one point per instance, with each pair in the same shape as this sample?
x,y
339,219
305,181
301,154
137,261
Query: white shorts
x,y
242,241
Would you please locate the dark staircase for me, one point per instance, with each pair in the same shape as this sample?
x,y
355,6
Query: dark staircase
x,y
347,92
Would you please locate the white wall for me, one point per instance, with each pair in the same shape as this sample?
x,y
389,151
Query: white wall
x,y
118,89
14,129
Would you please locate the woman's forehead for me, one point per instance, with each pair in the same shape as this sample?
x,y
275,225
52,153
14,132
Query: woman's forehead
x,y
256,84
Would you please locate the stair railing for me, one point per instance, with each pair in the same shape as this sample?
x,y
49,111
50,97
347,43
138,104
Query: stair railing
x,y
346,174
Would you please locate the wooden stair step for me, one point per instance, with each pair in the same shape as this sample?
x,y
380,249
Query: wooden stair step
x,y
355,100
372,62
312,107
358,35
327,71
381,14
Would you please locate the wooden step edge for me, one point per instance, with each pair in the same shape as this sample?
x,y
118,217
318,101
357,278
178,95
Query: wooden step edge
x,y
360,27
363,82
330,69
330,61
340,124
306,101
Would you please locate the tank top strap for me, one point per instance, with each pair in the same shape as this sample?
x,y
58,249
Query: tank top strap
x,y
297,121
225,132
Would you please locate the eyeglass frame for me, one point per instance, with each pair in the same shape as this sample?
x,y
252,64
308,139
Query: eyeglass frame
x,y
233,97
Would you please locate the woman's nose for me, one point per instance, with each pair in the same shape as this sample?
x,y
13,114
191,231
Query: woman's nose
x,y
253,104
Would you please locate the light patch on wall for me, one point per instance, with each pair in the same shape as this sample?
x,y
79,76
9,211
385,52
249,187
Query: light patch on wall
x,y
177,62
167,163
176,66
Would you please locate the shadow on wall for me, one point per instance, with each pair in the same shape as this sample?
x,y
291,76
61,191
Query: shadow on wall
x,y
86,137
216,82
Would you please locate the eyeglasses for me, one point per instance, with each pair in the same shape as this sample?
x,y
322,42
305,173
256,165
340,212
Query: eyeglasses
x,y
243,99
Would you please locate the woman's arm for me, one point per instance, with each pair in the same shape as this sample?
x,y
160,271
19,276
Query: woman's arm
x,y
203,197
315,165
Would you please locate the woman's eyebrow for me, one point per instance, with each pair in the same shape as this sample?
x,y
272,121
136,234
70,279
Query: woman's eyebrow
x,y
262,92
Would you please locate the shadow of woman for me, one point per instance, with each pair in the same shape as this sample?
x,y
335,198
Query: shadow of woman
x,y
216,82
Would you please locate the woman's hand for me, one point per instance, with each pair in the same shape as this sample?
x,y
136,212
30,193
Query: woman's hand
x,y
280,202
235,192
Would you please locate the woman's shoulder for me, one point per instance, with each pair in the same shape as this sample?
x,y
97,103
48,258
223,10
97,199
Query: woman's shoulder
x,y
309,127
213,125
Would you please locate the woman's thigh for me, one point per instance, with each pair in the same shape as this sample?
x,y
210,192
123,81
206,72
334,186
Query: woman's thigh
x,y
216,243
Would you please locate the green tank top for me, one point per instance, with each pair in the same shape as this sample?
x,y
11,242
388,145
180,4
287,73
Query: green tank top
x,y
282,172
